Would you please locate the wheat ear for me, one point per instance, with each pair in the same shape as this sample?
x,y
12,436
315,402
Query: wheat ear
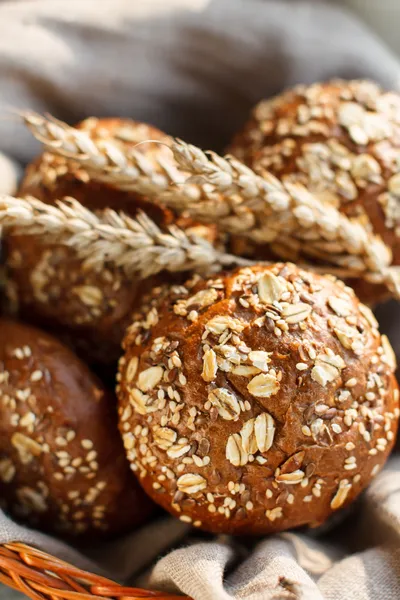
x,y
286,216
106,162
136,244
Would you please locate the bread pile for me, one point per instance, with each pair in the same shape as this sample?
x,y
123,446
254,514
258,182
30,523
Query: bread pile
x,y
342,141
250,399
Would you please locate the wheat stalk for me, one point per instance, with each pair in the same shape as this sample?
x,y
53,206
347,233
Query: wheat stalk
x,y
136,244
106,162
286,216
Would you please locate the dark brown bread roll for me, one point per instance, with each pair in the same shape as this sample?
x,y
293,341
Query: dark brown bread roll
x,y
62,463
47,282
340,139
257,400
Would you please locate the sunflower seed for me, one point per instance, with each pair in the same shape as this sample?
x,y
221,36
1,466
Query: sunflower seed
x,y
369,315
226,403
342,492
149,378
260,359
365,166
291,478
191,483
164,437
341,307
235,452
7,470
204,447
138,401
270,288
210,366
88,294
179,449
394,184
245,371
247,434
264,429
327,368
295,313
203,298
263,385
131,369
221,323
26,447
293,463
275,513
389,353
346,335
32,499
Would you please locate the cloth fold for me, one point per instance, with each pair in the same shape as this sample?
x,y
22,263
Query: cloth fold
x,y
194,68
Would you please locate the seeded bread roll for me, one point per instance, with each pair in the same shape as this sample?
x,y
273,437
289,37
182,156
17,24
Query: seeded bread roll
x,y
256,401
62,463
48,284
340,139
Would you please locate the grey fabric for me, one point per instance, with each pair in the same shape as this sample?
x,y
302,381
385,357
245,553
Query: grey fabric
x,y
194,68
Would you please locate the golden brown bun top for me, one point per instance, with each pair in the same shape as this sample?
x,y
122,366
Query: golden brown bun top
x,y
253,392
62,464
341,139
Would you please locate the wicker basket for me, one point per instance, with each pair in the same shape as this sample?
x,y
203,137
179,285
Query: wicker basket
x,y
39,576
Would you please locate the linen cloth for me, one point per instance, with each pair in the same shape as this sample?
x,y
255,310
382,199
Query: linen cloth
x,y
194,68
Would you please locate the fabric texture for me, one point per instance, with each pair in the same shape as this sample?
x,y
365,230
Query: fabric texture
x,y
194,68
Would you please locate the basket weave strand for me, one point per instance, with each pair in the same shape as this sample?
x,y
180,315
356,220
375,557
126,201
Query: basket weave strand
x,y
43,577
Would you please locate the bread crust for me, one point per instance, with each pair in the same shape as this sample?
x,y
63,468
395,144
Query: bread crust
x,y
341,139
49,286
258,400
62,464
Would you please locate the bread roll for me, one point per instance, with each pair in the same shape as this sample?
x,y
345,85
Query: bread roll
x,y
47,283
257,400
340,139
62,463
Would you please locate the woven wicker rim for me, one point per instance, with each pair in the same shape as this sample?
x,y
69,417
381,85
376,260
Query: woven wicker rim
x,y
40,576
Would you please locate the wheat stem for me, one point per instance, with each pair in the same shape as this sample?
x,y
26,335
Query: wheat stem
x,y
137,244
261,208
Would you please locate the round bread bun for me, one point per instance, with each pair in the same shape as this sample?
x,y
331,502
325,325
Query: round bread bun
x,y
48,285
258,400
62,463
340,139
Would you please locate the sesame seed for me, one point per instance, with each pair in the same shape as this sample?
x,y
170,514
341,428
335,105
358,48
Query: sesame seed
x,y
87,444
36,375
301,366
375,470
351,382
60,441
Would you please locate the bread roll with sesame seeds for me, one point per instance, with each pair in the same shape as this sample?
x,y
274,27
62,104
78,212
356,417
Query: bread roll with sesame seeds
x,y
47,283
340,139
62,463
258,400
